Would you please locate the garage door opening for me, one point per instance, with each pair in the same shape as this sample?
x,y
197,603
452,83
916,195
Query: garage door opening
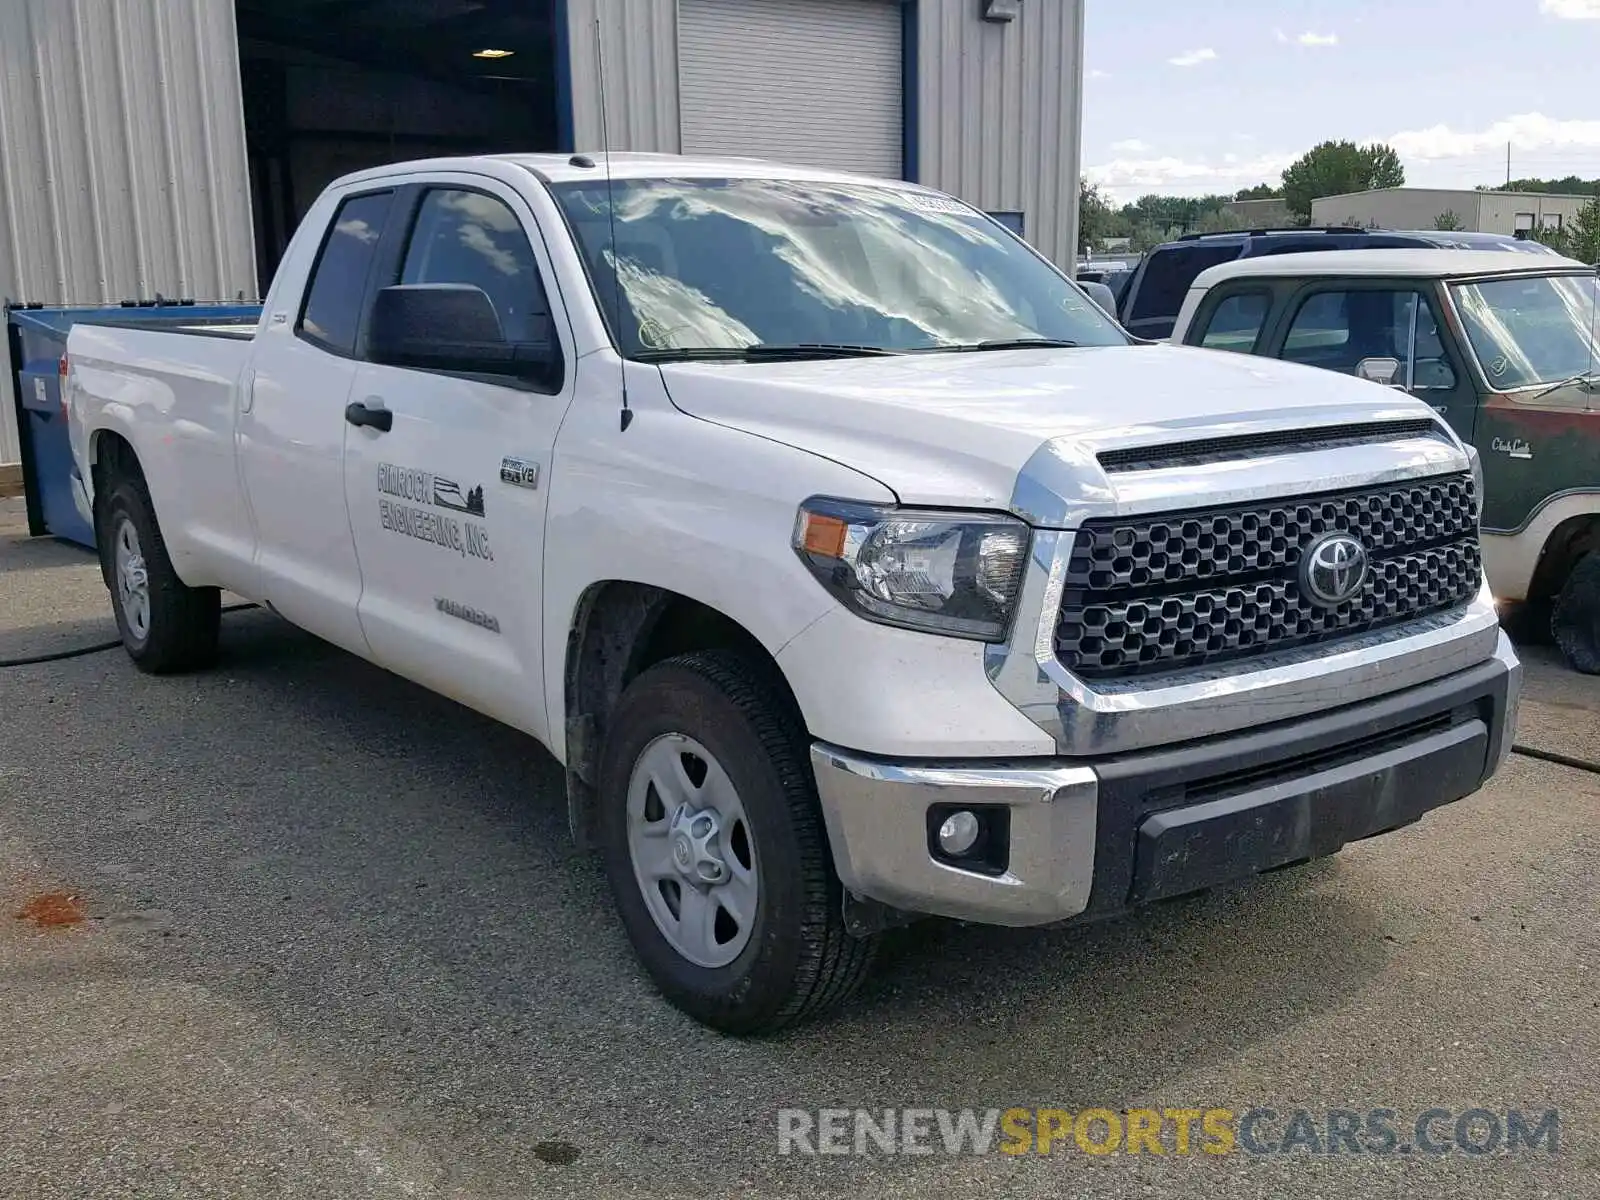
x,y
332,86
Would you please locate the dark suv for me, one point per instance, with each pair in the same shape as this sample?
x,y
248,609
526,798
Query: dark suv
x,y
1149,305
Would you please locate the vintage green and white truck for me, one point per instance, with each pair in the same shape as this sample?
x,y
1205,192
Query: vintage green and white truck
x,y
1506,347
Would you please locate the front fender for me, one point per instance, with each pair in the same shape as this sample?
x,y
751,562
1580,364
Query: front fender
x,y
687,506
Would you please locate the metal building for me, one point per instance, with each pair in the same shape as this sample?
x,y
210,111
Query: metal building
x,y
168,147
981,98
1427,208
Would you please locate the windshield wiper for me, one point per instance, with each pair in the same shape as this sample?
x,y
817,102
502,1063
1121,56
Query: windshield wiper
x,y
759,352
1002,344
1590,377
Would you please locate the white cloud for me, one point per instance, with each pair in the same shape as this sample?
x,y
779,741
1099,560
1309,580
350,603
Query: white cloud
x,y
1127,178
1309,38
1191,58
1099,74
1436,156
1524,132
1571,10
1131,146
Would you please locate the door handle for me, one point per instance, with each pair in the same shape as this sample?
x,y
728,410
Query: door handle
x,y
359,413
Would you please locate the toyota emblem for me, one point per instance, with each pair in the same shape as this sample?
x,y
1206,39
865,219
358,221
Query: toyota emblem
x,y
1333,570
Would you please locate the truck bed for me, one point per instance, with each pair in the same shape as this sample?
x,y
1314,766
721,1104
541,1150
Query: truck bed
x,y
36,338
173,389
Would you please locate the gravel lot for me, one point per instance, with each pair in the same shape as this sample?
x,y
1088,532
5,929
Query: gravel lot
x,y
336,944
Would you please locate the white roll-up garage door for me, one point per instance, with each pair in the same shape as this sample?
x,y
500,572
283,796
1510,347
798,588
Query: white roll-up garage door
x,y
807,81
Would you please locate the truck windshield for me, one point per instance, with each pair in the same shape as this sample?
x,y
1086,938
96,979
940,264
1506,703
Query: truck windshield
x,y
1536,329
782,263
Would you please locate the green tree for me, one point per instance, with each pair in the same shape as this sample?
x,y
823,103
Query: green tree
x,y
1218,220
1146,237
1571,185
1096,220
1335,168
1448,219
1169,216
1261,191
1556,237
1583,233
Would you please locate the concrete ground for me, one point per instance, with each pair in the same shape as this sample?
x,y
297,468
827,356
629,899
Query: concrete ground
x,y
334,943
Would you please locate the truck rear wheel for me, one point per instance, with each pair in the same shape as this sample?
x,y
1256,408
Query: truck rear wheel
x,y
715,849
1575,622
166,626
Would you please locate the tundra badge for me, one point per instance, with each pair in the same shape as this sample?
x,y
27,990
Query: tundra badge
x,y
519,472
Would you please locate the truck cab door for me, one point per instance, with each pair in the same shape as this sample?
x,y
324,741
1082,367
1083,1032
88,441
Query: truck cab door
x,y
1389,331
1438,369
447,471
291,425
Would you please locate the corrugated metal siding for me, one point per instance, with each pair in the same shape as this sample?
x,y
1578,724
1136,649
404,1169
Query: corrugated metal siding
x,y
809,81
122,156
1001,113
1000,105
641,67
1497,212
1396,208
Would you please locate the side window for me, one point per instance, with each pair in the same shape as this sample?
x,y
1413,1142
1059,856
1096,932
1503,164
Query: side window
x,y
1339,331
1321,326
471,238
1236,321
1431,369
332,311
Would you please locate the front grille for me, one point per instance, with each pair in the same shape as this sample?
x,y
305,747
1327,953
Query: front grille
x,y
1177,590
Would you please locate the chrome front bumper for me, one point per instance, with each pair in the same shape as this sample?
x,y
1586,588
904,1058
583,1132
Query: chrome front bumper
x,y
876,815
1103,835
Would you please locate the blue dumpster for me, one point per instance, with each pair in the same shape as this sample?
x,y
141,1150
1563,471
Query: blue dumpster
x,y
36,340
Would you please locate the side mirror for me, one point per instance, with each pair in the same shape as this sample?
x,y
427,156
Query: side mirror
x,y
1378,370
1101,295
453,327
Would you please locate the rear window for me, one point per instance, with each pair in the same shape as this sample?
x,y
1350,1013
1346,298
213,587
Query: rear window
x,y
339,280
1168,274
1236,321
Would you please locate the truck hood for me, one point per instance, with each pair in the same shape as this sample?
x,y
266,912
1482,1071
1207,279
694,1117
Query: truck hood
x,y
957,429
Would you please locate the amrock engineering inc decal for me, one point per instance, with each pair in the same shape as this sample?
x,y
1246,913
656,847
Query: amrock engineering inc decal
x,y
424,506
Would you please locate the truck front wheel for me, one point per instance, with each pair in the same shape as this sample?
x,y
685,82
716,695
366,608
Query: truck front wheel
x,y
166,626
1575,621
715,849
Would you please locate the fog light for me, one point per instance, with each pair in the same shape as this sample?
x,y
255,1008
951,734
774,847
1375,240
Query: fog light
x,y
959,833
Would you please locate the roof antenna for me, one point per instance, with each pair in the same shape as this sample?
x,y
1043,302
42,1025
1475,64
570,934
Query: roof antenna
x,y
611,213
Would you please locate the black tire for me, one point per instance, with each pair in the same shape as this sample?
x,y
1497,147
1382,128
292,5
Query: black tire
x,y
184,622
1575,621
1527,622
799,961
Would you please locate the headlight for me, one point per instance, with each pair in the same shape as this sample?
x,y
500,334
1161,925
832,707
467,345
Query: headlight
x,y
952,573
1477,472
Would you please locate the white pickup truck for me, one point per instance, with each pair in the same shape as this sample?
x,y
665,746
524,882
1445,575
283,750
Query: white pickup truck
x,y
854,564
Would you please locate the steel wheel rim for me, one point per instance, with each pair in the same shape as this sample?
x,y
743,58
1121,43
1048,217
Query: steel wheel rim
x,y
700,878
133,580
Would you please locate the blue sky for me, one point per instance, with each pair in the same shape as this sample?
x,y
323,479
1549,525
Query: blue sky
x,y
1188,98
